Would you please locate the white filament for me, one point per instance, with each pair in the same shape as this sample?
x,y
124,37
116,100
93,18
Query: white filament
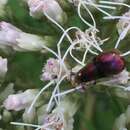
x,y
62,37
54,91
40,92
85,54
68,91
87,23
116,17
50,50
106,7
125,54
69,50
24,124
114,3
94,22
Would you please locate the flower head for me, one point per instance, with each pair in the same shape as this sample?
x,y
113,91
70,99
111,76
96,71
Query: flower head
x,y
51,69
61,117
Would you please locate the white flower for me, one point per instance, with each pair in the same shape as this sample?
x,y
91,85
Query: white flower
x,y
50,7
51,70
20,101
3,67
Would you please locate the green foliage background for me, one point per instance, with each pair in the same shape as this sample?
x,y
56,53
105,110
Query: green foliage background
x,y
98,109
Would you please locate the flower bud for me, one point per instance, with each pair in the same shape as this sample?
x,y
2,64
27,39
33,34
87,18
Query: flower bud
x,y
123,120
124,22
127,113
19,128
0,117
7,117
50,7
20,101
41,113
120,123
29,117
9,89
19,40
3,67
29,42
64,4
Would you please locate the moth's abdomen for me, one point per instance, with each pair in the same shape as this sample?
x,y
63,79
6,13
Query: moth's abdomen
x,y
103,65
109,63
